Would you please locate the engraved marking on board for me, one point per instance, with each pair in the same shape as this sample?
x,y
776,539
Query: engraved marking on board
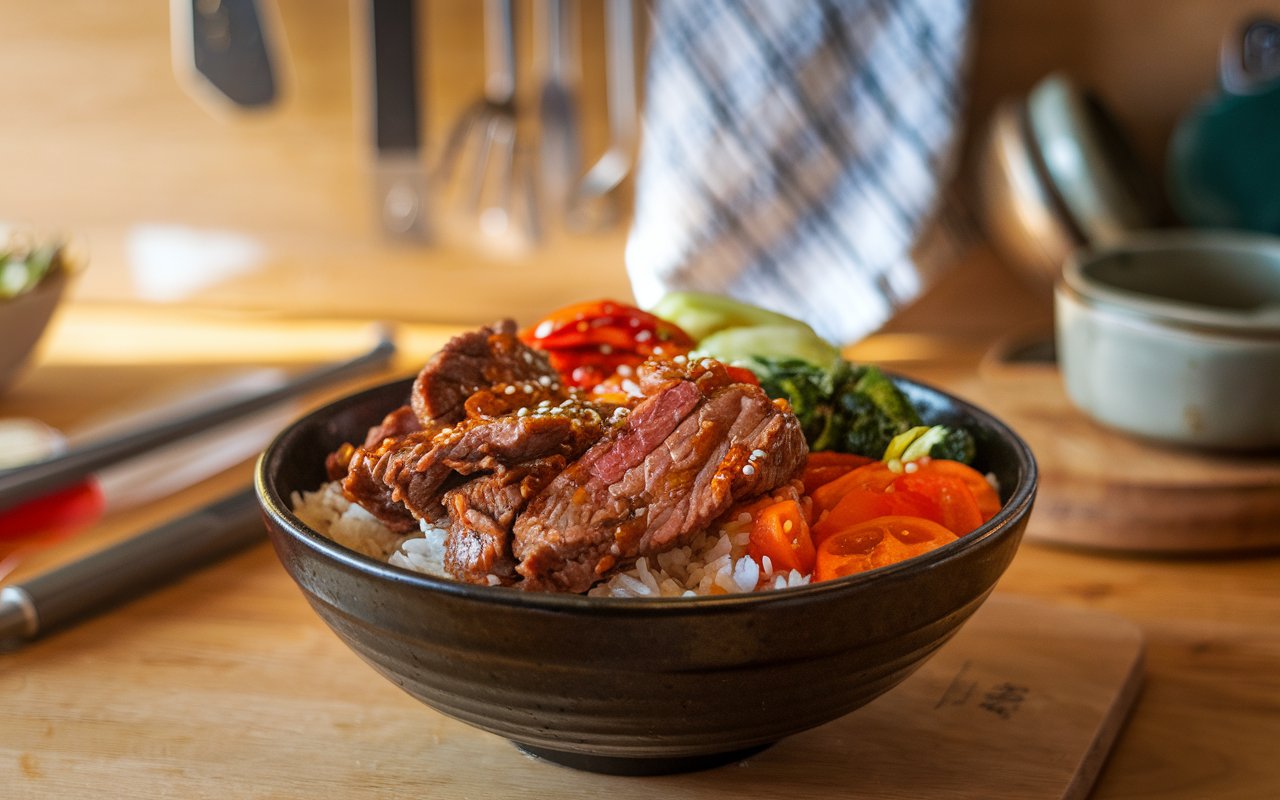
x,y
1002,699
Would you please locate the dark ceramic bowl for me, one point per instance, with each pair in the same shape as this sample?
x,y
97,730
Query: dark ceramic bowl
x,y
634,686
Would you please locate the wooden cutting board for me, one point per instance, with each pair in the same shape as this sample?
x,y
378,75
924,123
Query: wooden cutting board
x,y
1104,489
255,698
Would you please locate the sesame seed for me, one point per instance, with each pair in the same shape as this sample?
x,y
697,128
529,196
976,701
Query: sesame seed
x,y
758,453
524,412
787,526
509,390
910,466
624,370
680,360
566,404
748,470
528,388
644,336
707,363
545,380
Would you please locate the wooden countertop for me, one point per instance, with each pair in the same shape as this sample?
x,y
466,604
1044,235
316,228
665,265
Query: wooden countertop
x,y
130,701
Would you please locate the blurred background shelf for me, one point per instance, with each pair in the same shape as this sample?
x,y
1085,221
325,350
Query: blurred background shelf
x,y
273,209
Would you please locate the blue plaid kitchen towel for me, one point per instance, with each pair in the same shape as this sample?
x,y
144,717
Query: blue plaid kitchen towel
x,y
794,150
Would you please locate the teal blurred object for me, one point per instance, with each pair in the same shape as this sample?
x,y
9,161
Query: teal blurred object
x,y
1224,157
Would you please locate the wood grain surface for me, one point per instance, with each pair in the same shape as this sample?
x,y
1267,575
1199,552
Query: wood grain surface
x,y
248,695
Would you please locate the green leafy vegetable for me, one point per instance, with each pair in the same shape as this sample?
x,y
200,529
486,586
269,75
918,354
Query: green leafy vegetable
x,y
852,408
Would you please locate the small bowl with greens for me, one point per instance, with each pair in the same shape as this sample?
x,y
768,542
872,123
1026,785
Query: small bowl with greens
x,y
33,277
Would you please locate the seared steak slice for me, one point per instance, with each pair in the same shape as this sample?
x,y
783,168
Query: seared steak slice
x,y
411,471
361,485
480,515
680,460
473,361
398,423
509,398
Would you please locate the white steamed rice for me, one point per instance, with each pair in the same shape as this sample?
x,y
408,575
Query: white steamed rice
x,y
714,562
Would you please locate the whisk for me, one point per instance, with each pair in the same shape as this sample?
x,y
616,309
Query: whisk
x,y
499,191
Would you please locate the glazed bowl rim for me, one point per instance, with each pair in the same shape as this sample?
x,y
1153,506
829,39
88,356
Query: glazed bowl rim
x,y
1079,286
1004,523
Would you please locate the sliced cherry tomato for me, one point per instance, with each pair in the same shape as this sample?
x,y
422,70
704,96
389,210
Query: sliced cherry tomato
x,y
956,504
877,543
780,532
824,467
875,476
862,505
983,492
831,458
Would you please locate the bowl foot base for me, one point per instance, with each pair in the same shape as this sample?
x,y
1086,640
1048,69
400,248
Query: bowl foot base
x,y
624,765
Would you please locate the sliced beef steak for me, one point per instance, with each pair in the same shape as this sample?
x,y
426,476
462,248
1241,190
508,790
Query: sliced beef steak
x,y
406,476
474,361
684,456
398,423
480,515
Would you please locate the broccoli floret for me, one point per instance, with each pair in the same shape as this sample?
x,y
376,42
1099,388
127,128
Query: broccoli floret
x,y
939,441
862,427
806,387
957,444
887,398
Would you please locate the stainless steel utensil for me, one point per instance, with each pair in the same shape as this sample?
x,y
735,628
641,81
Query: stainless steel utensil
x,y
560,145
498,184
594,204
401,183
